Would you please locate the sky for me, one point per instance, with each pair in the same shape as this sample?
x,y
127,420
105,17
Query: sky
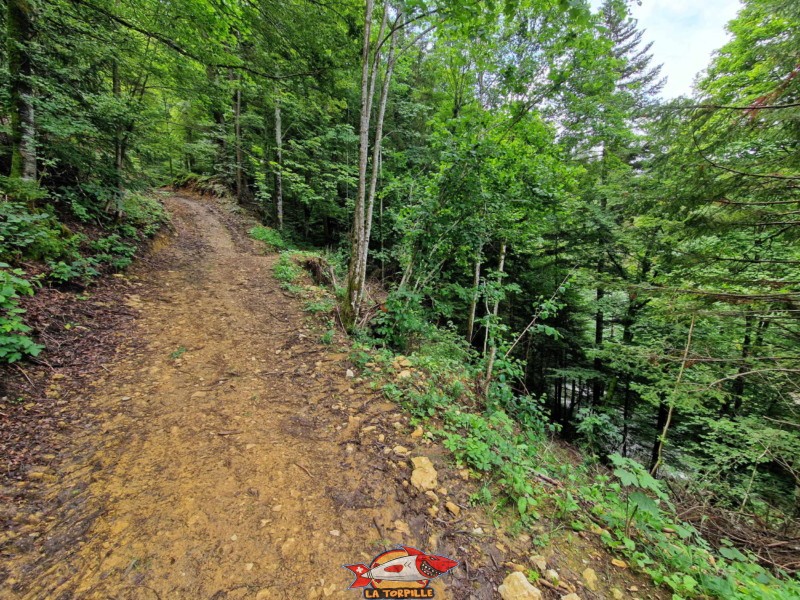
x,y
684,33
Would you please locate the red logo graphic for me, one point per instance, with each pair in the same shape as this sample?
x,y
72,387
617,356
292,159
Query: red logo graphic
x,y
404,572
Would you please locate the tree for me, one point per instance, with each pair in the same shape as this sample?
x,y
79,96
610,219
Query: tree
x,y
19,34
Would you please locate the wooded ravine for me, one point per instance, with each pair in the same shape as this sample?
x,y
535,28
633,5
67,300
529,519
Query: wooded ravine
x,y
581,297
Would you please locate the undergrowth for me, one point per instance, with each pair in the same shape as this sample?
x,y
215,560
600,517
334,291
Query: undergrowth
x,y
271,237
317,300
506,439
34,234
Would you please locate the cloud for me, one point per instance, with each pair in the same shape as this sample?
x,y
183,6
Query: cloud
x,y
685,34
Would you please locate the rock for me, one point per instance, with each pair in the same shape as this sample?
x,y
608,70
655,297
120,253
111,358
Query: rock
x,y
551,575
401,450
423,477
517,587
335,532
349,374
402,527
619,563
417,433
454,508
616,594
432,495
404,362
540,562
330,590
571,597
264,594
590,578
404,374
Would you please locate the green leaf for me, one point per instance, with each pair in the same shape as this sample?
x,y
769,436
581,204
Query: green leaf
x,y
626,477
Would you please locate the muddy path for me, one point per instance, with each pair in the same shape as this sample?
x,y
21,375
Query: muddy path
x,y
228,458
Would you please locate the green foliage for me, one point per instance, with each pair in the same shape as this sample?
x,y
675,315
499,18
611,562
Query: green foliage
x,y
144,213
20,190
112,250
640,522
402,323
633,508
288,272
327,337
32,234
83,269
597,430
14,341
318,305
271,237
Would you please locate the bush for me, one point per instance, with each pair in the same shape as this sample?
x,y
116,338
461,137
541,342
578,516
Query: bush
x,y
82,268
113,251
36,235
145,213
14,342
272,238
402,323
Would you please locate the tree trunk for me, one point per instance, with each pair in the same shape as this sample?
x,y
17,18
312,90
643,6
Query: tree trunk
x,y
738,384
376,159
495,311
278,161
599,320
237,126
355,284
473,305
658,447
626,415
114,204
20,31
661,420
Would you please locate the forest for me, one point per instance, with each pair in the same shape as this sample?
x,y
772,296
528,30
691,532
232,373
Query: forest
x,y
496,190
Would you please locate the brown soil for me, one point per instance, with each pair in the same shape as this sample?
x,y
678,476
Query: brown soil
x,y
226,454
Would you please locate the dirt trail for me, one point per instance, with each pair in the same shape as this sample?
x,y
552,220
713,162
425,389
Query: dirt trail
x,y
226,454
229,462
